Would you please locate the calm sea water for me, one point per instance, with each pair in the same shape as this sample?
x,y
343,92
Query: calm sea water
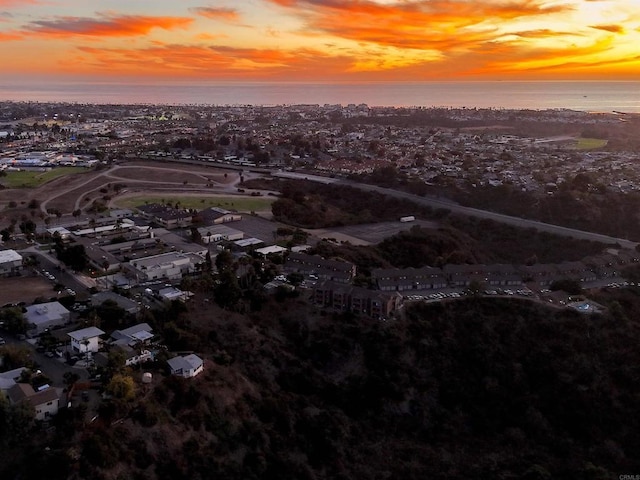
x,y
587,96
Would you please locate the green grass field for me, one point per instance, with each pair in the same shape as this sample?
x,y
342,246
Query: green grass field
x,y
240,204
590,143
31,179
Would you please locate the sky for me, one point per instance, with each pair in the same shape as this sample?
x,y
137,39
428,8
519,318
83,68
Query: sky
x,y
319,40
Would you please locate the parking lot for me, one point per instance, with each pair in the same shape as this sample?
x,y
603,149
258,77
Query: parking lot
x,y
370,233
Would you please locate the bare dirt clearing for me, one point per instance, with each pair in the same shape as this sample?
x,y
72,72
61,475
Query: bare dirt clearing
x,y
159,175
24,289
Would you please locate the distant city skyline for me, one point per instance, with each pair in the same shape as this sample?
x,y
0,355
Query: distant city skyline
x,y
319,40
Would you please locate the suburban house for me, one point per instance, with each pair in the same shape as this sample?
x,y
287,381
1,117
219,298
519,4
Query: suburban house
x,y
324,269
10,378
44,402
10,263
136,334
132,355
86,339
44,316
347,298
187,367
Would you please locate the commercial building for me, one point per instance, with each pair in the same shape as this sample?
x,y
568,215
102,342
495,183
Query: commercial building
x,y
10,263
217,233
167,266
43,316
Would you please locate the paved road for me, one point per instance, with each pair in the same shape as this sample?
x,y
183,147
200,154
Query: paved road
x,y
77,282
53,368
498,217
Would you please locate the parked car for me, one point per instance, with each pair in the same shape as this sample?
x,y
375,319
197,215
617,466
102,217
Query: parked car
x,y
2,342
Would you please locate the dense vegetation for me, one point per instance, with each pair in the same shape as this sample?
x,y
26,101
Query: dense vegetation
x,y
572,206
480,388
460,239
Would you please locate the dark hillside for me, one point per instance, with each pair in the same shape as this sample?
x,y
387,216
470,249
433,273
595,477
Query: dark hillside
x,y
475,389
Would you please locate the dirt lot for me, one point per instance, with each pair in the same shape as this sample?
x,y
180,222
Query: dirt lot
x,y
159,175
24,289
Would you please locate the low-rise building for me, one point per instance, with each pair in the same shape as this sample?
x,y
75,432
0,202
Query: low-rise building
x,y
10,263
86,339
404,279
141,333
324,269
187,366
10,378
166,215
347,298
217,233
167,266
125,303
217,215
45,402
44,316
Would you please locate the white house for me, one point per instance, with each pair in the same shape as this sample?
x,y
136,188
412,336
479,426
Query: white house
x,y
86,339
44,402
43,316
187,367
10,262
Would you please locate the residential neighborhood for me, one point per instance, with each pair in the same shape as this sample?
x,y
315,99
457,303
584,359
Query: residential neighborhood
x,y
167,264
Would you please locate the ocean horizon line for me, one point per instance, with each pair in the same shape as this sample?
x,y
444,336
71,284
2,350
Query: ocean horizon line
x,y
584,95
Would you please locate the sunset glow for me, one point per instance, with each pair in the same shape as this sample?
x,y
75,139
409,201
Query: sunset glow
x,y
320,40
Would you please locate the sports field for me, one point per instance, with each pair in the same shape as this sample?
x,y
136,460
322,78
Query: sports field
x,y
31,179
198,202
590,143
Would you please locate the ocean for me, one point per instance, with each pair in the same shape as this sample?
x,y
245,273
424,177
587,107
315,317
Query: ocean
x,y
620,96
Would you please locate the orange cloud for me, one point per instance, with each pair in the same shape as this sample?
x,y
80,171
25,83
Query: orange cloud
x,y
542,33
10,36
420,24
217,13
105,26
186,61
609,28
18,3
